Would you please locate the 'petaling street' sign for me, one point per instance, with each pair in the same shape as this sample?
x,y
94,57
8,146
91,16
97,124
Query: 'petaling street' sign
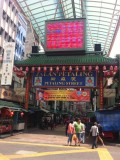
x,y
65,79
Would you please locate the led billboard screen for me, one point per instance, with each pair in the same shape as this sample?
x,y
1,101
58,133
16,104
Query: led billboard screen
x,y
65,35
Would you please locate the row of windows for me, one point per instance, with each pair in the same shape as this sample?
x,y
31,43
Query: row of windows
x,y
9,20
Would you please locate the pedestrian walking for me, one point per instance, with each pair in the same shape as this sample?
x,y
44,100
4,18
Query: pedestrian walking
x,y
99,137
94,131
78,129
70,132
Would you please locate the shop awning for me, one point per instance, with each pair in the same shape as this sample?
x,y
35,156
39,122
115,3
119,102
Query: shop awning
x,y
12,106
44,110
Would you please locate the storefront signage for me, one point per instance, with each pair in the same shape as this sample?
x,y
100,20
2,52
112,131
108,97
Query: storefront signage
x,y
66,79
66,95
7,94
108,93
7,66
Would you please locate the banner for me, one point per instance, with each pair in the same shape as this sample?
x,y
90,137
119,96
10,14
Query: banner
x,y
66,79
7,66
66,95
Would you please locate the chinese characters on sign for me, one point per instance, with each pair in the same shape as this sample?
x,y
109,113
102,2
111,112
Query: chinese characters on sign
x,y
7,65
79,79
65,35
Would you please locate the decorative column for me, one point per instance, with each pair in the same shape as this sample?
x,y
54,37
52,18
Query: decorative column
x,y
101,92
27,90
55,105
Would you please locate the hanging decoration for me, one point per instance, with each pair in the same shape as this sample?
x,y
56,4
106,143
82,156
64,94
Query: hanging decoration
x,y
57,69
111,68
90,68
15,69
20,74
11,114
76,68
22,114
45,69
27,69
33,69
115,68
51,69
38,69
21,68
63,69
70,68
83,68
104,68
97,68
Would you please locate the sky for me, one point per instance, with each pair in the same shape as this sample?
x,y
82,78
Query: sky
x,y
116,47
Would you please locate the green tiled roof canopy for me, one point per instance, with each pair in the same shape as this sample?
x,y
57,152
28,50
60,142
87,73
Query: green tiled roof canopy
x,y
11,105
67,60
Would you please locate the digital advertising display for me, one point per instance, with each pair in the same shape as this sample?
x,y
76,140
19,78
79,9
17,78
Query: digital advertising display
x,y
65,35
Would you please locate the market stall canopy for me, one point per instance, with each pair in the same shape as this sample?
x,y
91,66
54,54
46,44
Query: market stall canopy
x,y
102,17
11,105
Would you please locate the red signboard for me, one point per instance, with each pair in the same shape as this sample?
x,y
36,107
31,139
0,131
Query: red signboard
x,y
64,95
65,35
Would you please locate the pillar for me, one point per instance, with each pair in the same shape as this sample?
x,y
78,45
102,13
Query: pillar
x,y
55,105
101,92
27,90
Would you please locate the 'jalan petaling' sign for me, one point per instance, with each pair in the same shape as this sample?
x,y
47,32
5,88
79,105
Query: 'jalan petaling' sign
x,y
66,79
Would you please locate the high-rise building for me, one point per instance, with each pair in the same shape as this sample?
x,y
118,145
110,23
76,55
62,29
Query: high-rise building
x,y
13,26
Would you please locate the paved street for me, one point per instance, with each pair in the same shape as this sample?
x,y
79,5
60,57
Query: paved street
x,y
51,145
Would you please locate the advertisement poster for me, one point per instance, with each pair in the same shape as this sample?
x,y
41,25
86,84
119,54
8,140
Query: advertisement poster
x,y
66,95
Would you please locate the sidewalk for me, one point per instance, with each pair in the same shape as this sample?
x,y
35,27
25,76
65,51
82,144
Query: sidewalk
x,y
56,136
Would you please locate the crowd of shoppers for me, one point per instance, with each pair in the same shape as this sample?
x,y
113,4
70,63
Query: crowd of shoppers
x,y
75,130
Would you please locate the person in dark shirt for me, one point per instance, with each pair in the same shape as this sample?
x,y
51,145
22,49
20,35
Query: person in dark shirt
x,y
100,134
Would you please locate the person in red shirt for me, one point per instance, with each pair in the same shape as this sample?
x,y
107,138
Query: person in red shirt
x,y
70,132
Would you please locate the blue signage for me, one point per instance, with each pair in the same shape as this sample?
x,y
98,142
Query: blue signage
x,y
65,79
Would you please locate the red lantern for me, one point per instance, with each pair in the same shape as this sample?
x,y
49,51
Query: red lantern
x,y
105,74
111,73
111,68
90,68
11,114
70,68
33,69
108,74
83,68
27,69
22,114
57,68
115,68
104,68
45,69
51,69
77,68
15,69
20,74
38,69
63,68
21,68
97,68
